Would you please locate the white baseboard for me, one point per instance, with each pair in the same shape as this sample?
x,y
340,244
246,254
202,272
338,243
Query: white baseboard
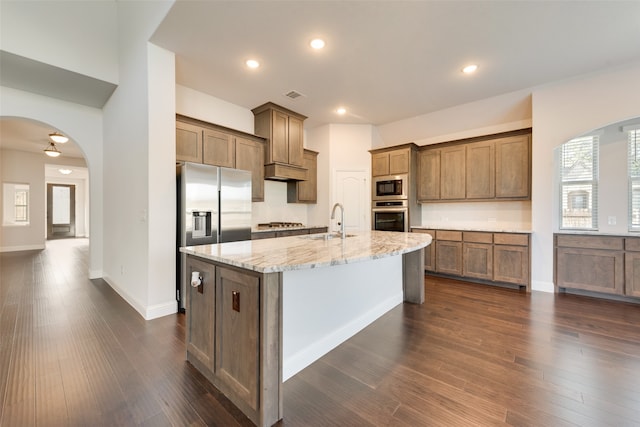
x,y
148,313
95,274
39,247
538,285
300,360
160,310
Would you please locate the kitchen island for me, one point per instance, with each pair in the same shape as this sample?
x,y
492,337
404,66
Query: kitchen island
x,y
260,311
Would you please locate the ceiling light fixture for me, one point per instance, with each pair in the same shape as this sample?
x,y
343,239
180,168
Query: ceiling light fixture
x,y
341,111
65,171
58,137
317,43
470,69
52,150
252,63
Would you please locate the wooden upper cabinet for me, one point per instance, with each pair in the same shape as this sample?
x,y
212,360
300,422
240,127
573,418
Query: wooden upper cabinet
x,y
429,175
218,149
480,170
188,143
452,172
393,162
250,157
380,164
487,168
284,130
513,167
296,141
305,191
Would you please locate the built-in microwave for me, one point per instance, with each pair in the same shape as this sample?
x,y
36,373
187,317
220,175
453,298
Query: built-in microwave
x,y
390,187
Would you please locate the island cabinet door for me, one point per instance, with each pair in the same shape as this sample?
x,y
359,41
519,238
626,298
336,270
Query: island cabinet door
x,y
237,332
200,312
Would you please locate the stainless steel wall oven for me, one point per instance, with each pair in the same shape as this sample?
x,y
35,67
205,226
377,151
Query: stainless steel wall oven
x,y
392,215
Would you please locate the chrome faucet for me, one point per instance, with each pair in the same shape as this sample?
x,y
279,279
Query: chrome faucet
x,y
341,223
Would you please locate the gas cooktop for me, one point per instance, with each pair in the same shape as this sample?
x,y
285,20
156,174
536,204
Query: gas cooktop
x,y
280,224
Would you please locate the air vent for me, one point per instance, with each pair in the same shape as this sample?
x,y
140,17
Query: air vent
x,y
293,94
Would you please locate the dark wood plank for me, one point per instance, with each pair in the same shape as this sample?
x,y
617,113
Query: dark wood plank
x,y
72,352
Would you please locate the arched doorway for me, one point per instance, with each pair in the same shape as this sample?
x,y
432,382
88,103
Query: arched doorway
x,y
27,172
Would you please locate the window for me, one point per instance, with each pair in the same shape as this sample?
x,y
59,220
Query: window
x,y
634,179
15,204
579,183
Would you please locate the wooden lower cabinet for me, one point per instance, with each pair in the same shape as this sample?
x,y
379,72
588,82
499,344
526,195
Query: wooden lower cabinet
x,y
237,333
480,256
597,264
201,309
234,338
478,260
511,264
449,257
632,274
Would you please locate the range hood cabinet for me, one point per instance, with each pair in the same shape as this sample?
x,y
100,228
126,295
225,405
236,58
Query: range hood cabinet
x,y
283,130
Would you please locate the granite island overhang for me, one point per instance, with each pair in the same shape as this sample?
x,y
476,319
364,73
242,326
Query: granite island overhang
x,y
260,311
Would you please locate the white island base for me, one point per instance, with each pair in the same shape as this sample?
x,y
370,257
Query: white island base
x,y
324,307
266,309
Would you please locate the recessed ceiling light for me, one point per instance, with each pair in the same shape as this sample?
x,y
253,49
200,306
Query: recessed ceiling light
x,y
65,171
252,63
470,69
341,110
317,43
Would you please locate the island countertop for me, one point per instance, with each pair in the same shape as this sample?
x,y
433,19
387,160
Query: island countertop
x,y
310,251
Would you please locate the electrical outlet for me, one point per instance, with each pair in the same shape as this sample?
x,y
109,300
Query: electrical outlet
x,y
122,270
612,220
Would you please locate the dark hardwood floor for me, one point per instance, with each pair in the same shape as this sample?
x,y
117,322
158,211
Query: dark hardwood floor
x,y
72,352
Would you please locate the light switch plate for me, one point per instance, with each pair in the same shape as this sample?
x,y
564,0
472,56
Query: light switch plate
x,y
612,220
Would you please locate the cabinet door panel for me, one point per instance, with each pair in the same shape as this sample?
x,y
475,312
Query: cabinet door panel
x,y
480,173
478,260
250,157
380,164
513,172
399,161
305,191
590,269
511,264
452,173
237,333
449,257
429,251
218,149
296,142
188,143
200,312
280,137
632,274
429,175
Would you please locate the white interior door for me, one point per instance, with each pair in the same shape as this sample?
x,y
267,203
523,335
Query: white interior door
x,y
351,189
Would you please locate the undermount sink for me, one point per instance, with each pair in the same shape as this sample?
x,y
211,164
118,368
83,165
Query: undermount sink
x,y
324,236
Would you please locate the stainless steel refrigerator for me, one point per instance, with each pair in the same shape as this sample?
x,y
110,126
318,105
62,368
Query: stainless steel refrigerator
x,y
214,206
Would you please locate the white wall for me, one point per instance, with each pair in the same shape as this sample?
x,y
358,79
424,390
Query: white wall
x,y
560,112
128,191
84,126
75,35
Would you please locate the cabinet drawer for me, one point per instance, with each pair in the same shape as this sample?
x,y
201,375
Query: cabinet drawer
x,y
591,242
455,236
431,233
477,237
511,239
632,244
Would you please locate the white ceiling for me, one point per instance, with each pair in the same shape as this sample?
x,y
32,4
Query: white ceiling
x,y
384,60
390,60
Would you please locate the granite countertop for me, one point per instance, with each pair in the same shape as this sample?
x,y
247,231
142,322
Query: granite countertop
x,y
496,229
309,251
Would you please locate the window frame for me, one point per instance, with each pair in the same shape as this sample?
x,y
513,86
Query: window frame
x,y
633,137
567,184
